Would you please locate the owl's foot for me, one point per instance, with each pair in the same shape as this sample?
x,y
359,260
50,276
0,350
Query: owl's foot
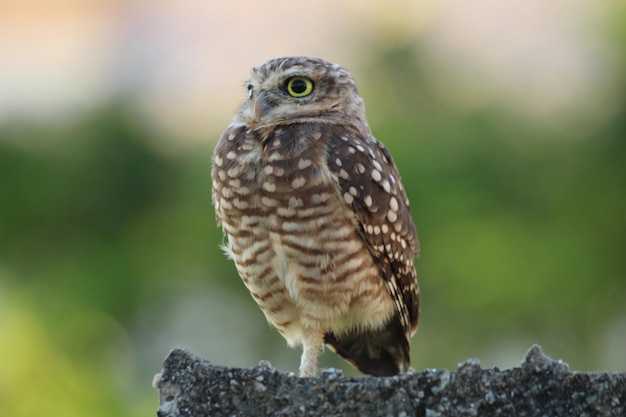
x,y
311,346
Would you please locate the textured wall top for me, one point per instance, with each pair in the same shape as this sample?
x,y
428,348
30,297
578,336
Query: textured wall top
x,y
190,386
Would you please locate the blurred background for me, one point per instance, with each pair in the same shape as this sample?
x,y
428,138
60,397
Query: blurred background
x,y
507,121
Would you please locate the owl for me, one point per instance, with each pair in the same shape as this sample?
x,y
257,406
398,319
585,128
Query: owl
x,y
316,218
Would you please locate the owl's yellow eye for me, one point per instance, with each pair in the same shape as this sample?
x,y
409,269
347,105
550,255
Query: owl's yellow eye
x,y
299,86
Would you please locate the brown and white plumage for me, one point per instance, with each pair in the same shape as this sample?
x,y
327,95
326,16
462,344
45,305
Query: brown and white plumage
x,y
316,217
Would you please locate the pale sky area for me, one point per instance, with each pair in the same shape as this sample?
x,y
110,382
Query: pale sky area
x,y
182,63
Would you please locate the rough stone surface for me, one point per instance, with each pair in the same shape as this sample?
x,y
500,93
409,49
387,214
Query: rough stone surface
x,y
190,386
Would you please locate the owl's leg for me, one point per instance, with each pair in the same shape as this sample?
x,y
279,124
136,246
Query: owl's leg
x,y
311,347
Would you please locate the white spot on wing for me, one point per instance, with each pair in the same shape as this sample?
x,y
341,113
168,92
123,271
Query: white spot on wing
x,y
304,163
298,182
269,186
393,204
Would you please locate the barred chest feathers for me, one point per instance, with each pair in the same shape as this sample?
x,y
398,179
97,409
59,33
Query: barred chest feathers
x,y
294,242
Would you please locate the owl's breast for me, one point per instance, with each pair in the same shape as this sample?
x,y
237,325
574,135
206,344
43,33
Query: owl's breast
x,y
279,183
295,242
254,174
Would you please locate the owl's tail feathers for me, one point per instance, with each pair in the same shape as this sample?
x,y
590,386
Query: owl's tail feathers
x,y
377,352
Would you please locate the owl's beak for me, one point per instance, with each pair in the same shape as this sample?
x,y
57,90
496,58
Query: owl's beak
x,y
261,104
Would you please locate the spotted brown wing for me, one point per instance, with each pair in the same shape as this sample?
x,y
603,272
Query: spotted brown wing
x,y
371,186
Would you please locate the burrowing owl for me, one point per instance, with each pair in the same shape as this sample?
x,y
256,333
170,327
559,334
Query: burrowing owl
x,y
316,217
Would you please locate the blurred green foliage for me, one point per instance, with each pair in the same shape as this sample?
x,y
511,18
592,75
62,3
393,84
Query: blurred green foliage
x,y
523,231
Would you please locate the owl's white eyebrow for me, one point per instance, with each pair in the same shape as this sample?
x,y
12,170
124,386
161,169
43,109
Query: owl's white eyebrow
x,y
296,72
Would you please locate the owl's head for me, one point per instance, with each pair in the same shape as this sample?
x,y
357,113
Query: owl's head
x,y
301,89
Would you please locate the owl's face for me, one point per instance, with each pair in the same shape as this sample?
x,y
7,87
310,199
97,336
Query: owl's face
x,y
300,89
